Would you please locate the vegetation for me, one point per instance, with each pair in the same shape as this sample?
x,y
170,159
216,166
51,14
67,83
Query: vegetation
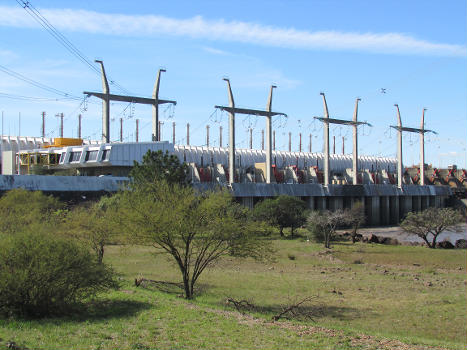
x,y
21,209
356,218
97,225
428,224
392,281
42,274
194,229
158,166
283,211
323,224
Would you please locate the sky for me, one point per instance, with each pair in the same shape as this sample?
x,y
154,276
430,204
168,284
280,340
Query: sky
x,y
412,53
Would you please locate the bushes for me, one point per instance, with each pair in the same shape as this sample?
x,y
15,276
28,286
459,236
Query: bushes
x,y
41,274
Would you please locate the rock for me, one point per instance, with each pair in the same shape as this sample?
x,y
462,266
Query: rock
x,y
388,240
445,245
358,237
461,244
428,284
365,239
373,239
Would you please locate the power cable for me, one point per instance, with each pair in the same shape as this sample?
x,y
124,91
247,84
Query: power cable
x,y
37,16
38,84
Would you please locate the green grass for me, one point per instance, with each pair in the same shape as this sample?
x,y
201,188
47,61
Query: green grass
x,y
413,296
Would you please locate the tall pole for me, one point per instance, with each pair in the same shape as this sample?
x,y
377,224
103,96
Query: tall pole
x,y
300,142
290,141
268,138
19,143
43,124
355,145
137,131
105,105
207,135
274,140
231,135
309,150
422,149
173,133
220,136
61,125
161,124
79,126
121,129
326,141
251,137
334,144
399,148
188,134
343,145
155,108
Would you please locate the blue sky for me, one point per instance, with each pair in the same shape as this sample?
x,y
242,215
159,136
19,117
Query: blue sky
x,y
416,50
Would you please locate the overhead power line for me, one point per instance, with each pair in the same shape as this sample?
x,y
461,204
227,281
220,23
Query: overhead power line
x,y
37,16
30,98
38,84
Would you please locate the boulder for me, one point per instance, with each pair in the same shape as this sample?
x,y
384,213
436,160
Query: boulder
x,y
445,245
388,241
373,238
461,244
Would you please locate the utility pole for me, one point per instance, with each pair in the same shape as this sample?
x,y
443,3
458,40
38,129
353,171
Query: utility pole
x,y
310,143
290,141
300,142
220,136
19,143
60,115
161,124
188,134
106,97
251,137
420,131
231,109
121,129
79,126
343,145
334,145
207,135
43,124
137,131
274,140
326,120
173,133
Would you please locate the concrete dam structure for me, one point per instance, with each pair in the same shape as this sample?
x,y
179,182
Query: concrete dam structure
x,y
387,190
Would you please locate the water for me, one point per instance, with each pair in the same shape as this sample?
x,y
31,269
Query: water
x,y
397,233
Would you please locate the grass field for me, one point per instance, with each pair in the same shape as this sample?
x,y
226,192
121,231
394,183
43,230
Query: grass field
x,y
364,297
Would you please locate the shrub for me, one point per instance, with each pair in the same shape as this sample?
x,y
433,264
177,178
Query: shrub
x,y
41,275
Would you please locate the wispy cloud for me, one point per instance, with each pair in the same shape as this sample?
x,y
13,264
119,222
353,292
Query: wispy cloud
x,y
216,51
233,31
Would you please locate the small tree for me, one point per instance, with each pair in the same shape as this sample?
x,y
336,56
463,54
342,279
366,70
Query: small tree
x,y
158,166
429,223
356,217
20,209
97,225
284,211
194,229
325,223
